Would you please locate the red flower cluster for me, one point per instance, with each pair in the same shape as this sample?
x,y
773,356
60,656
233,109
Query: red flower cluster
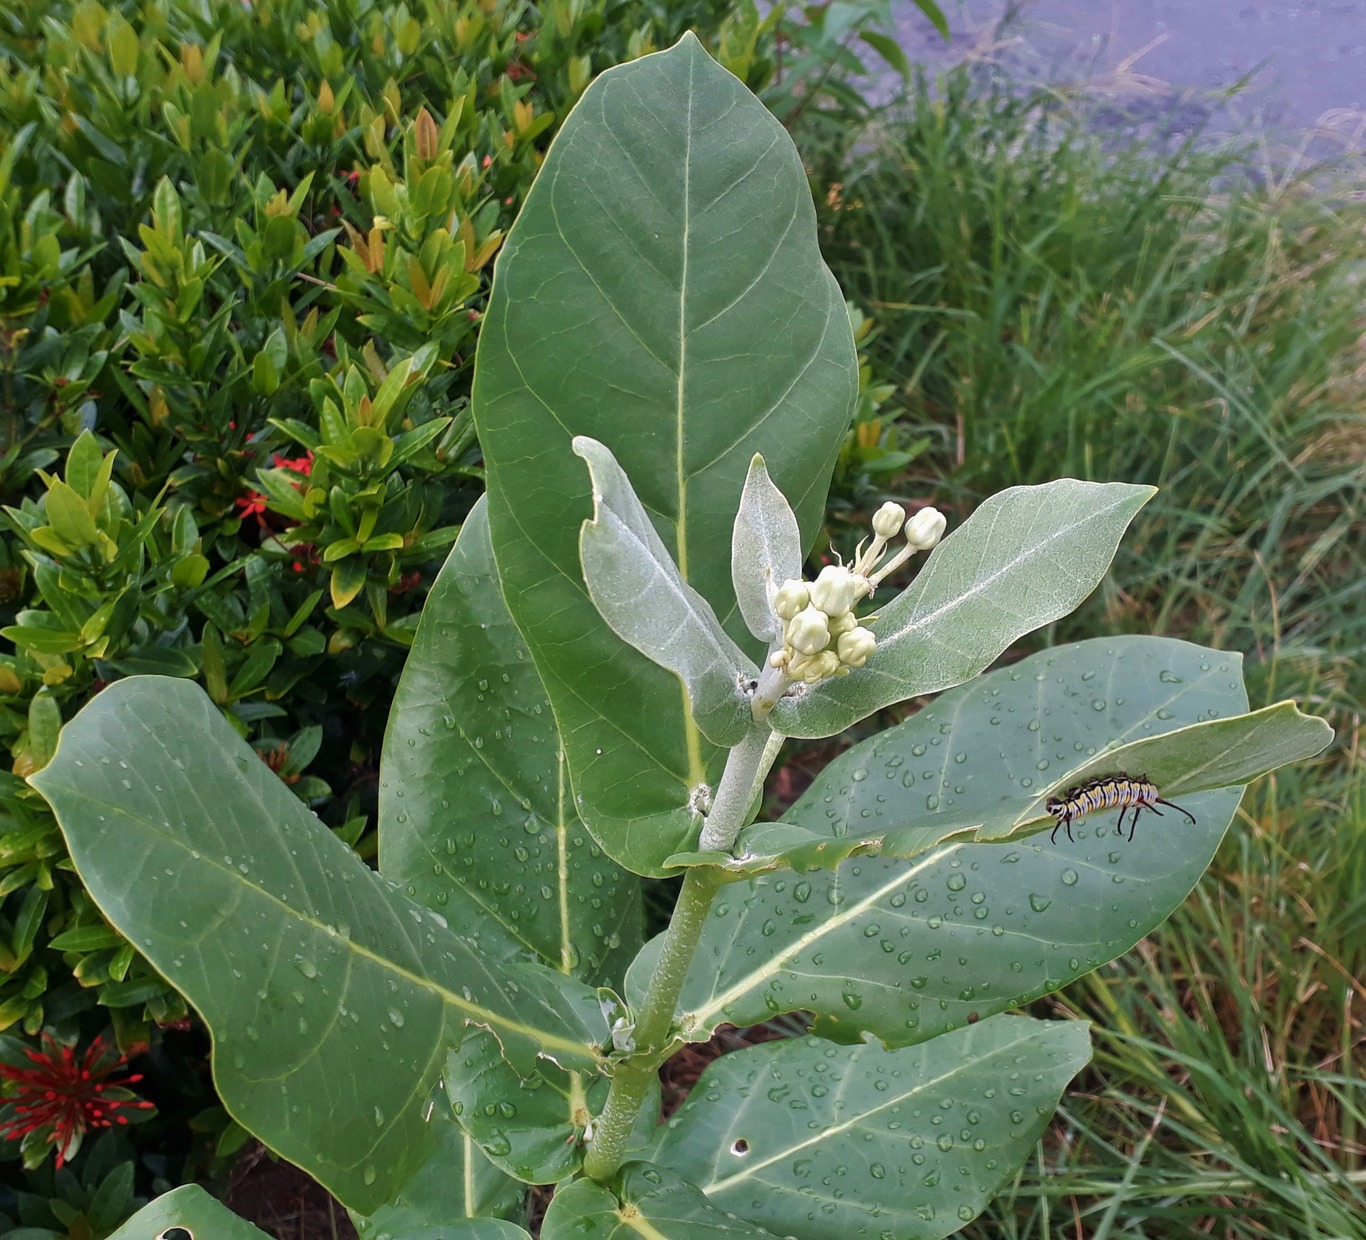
x,y
65,1095
253,503
298,464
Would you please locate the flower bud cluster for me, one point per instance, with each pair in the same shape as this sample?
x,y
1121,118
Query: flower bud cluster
x,y
821,635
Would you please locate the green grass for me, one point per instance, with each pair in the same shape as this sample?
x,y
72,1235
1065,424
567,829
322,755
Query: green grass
x,y
1225,1097
1051,302
1048,304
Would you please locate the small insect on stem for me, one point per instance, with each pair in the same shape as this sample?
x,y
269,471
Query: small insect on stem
x,y
1113,790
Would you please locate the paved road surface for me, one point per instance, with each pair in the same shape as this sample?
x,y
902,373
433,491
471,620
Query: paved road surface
x,y
1309,56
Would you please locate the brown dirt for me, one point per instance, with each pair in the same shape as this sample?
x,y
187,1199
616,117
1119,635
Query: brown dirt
x,y
283,1201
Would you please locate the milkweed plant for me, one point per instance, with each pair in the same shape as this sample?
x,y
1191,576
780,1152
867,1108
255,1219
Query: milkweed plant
x,y
605,671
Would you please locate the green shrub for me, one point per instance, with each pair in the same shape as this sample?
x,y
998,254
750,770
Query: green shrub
x,y
243,251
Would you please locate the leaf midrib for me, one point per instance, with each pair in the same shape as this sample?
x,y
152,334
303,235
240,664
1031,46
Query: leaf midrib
x,y
475,1012
832,1130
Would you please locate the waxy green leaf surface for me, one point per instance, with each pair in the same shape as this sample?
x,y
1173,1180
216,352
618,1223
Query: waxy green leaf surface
x,y
331,996
532,1128
645,1201
907,950
1200,757
831,1143
457,1194
476,816
193,1209
527,1127
661,292
1025,558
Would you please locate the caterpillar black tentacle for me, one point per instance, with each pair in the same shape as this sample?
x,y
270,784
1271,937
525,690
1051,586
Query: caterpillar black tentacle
x,y
1124,791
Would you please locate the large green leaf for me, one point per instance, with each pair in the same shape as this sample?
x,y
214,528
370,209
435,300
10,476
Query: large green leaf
x,y
644,1201
456,1195
1025,558
661,292
1198,758
331,996
476,817
1155,706
830,1143
908,950
191,1208
532,1128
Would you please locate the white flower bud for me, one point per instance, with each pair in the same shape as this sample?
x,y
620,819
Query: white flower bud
x,y
836,590
820,667
808,632
855,646
791,597
888,520
926,528
842,624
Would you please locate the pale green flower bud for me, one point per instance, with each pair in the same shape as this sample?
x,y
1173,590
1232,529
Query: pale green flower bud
x,y
842,624
820,667
926,528
888,520
836,590
855,646
791,597
808,632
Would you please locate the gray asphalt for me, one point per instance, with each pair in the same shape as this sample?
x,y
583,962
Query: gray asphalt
x,y
1307,57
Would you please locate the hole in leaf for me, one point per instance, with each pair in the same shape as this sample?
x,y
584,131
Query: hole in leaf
x,y
740,1148
176,1233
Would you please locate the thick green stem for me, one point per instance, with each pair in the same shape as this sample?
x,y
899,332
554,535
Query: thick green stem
x,y
631,1084
745,769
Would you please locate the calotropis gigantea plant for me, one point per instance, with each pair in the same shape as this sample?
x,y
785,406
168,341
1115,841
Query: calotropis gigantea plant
x,y
604,672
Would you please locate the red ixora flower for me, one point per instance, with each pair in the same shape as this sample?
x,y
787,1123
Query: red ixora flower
x,y
65,1095
252,504
298,464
